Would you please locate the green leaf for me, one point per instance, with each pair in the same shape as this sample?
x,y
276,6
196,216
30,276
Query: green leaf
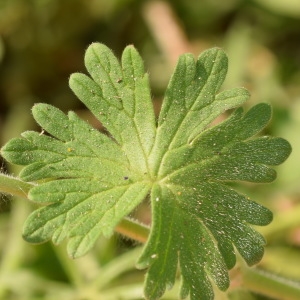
x,y
89,181
120,98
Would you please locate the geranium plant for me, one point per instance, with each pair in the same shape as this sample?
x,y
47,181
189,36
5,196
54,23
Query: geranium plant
x,y
87,182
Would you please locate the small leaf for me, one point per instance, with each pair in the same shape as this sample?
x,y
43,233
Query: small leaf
x,y
90,181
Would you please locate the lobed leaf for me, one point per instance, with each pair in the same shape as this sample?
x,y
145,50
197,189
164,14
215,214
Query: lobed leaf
x,y
206,218
119,97
81,152
191,103
81,210
89,181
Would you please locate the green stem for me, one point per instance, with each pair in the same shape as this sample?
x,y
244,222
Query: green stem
x,y
115,268
133,230
14,186
13,249
269,284
69,266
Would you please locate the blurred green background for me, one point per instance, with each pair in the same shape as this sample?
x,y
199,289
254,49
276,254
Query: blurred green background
x,y
43,41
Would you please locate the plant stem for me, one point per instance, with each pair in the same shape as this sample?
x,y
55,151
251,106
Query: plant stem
x,y
70,267
269,284
115,268
133,230
14,186
13,250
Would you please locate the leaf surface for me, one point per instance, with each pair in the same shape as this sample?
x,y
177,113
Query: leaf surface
x,y
88,181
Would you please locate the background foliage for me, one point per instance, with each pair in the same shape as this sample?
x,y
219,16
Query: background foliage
x,y
43,41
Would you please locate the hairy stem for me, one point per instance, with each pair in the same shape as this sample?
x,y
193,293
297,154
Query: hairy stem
x,y
133,230
14,186
269,284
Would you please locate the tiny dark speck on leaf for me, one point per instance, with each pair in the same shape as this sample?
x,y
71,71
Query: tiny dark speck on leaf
x,y
125,177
